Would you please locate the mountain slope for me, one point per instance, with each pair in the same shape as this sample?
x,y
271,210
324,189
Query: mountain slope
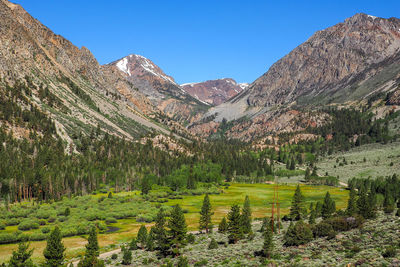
x,y
346,64
90,94
214,92
160,88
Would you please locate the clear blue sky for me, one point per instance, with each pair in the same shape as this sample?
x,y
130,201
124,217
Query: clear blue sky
x,y
198,40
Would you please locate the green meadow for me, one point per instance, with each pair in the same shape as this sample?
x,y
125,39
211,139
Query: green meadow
x,y
125,228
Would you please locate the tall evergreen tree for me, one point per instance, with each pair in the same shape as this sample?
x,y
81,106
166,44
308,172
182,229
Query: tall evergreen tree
x,y
54,251
328,206
160,234
21,257
268,245
92,251
235,229
223,226
205,215
296,210
145,186
150,240
246,216
178,227
352,203
388,202
142,236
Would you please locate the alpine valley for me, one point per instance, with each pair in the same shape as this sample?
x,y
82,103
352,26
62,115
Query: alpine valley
x,y
103,165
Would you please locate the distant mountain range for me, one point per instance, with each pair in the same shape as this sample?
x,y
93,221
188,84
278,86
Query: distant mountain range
x,y
347,64
215,92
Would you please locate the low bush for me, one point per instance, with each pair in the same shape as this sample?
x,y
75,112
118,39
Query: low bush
x,y
2,226
28,225
322,229
45,230
13,221
389,252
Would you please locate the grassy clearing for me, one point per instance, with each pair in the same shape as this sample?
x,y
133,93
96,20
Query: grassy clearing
x,y
260,197
380,160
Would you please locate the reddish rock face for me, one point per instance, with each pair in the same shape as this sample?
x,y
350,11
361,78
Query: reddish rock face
x,y
161,89
214,92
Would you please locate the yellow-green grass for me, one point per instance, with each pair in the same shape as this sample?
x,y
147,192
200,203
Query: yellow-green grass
x,y
260,197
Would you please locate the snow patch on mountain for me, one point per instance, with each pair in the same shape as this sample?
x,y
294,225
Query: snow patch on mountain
x,y
123,66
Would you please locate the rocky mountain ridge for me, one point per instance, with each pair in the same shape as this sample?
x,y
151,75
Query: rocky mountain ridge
x,y
92,94
347,64
159,88
215,92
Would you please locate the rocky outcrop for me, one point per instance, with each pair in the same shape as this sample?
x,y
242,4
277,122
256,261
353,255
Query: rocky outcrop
x,y
215,92
332,63
161,89
93,94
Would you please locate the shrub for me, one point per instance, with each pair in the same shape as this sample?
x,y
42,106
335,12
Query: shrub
x,y
28,225
62,219
213,244
2,226
203,262
190,238
42,222
182,262
45,230
51,219
322,229
114,256
144,218
389,252
298,234
12,221
37,237
8,238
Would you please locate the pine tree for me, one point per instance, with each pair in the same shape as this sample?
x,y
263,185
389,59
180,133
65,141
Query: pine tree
x,y
92,247
268,245
292,164
318,209
178,227
142,236
235,229
328,206
126,256
205,215
145,186
21,257
191,182
352,203
307,174
54,251
223,226
311,219
246,216
213,244
296,210
92,251
160,234
150,240
388,203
